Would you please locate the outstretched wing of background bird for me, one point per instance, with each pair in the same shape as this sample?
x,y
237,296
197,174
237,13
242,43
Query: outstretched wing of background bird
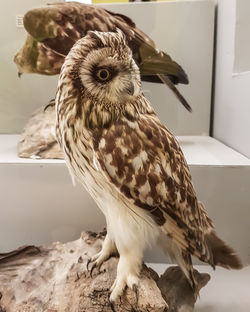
x,y
54,29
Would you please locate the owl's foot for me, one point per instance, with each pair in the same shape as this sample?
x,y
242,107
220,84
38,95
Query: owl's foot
x,y
128,271
131,281
108,249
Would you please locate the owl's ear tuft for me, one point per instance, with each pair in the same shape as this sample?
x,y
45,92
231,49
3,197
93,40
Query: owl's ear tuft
x,y
97,35
121,34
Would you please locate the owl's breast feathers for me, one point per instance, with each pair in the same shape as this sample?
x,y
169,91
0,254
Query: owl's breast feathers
x,y
144,161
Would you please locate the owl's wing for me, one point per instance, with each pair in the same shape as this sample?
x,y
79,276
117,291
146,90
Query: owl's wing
x,y
58,26
54,29
144,161
154,65
149,59
34,57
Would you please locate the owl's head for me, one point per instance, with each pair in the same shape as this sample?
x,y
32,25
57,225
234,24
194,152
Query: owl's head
x,y
105,68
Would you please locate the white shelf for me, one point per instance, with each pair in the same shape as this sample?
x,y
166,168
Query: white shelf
x,y
198,150
39,203
8,152
207,151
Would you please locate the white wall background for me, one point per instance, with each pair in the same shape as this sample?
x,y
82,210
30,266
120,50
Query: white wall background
x,y
232,91
242,38
183,28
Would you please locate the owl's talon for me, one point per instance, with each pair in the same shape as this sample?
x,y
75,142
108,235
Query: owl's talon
x,y
87,265
108,249
92,269
51,104
112,303
112,306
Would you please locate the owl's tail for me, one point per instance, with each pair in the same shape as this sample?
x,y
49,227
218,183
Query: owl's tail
x,y
220,253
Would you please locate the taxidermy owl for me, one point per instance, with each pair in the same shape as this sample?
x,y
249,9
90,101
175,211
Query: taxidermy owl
x,y
52,31
117,148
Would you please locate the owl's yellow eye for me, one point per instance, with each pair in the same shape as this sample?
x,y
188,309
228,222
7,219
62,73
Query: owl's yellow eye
x,y
103,74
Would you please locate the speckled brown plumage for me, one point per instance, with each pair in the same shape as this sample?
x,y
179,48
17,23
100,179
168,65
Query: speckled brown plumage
x,y
130,163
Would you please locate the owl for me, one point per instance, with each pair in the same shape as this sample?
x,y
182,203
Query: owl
x,y
129,162
53,29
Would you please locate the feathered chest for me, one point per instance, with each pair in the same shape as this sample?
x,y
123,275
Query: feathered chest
x,y
76,140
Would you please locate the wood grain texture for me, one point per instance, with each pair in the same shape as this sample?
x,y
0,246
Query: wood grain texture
x,y
55,278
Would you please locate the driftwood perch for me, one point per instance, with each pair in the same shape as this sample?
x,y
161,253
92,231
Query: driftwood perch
x,y
55,279
38,136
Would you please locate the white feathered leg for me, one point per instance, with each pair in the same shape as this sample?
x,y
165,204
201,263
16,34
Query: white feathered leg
x,y
132,230
128,271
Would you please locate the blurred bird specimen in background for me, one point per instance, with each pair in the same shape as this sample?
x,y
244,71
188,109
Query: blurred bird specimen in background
x,y
53,30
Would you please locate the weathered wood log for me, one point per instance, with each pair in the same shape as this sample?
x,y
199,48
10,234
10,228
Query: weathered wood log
x,y
38,136
55,279
176,291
